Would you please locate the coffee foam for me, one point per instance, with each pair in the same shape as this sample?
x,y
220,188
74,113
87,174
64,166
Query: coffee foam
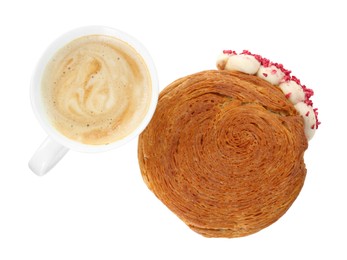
x,y
96,89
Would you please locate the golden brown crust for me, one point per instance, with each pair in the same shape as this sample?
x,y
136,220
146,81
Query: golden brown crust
x,y
224,151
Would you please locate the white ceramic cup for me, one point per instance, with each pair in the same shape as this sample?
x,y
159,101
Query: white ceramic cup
x,y
56,145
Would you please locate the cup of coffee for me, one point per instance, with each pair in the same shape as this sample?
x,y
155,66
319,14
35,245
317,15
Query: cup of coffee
x,y
94,89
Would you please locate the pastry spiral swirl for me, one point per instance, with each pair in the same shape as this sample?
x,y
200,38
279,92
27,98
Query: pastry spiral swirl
x,y
224,152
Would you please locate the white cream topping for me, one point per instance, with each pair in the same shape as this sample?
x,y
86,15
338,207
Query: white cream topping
x,y
271,74
222,60
309,117
244,63
293,91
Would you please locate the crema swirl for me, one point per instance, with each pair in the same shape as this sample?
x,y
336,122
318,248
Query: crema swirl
x,y
96,89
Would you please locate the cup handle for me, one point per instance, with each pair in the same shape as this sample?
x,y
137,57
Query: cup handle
x,y
47,156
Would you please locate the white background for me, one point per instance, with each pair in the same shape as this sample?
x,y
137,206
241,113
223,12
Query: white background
x,y
96,206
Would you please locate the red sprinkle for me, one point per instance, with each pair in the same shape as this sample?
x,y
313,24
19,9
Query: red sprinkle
x,y
273,72
308,112
246,52
308,102
296,80
315,110
308,92
229,52
265,74
288,95
313,126
286,78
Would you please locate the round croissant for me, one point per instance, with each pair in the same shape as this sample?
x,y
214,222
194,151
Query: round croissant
x,y
224,152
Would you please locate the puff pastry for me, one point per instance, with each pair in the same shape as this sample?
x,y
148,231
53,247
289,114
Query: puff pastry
x,y
224,152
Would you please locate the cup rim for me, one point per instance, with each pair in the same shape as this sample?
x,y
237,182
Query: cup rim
x,y
35,87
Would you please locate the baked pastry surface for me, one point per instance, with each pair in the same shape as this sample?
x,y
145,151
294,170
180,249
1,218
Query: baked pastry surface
x,y
224,152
